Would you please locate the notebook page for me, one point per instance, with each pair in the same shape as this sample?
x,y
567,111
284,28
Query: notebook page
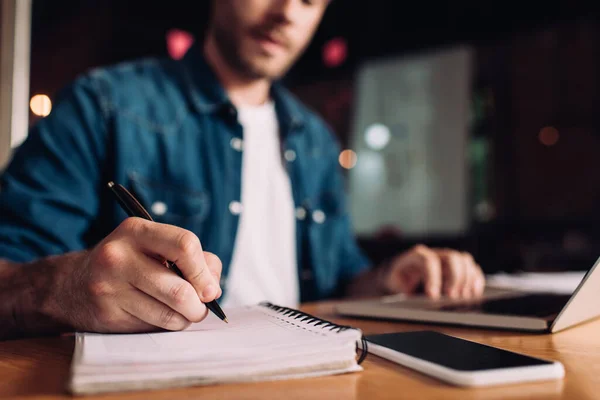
x,y
81,385
251,331
340,350
304,362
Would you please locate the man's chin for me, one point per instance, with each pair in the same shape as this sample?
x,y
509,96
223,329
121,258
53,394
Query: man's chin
x,y
265,71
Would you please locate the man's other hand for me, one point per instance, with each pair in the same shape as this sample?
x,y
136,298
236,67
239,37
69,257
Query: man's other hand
x,y
441,272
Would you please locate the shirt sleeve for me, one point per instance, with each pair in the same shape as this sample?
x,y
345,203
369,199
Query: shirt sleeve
x,y
48,192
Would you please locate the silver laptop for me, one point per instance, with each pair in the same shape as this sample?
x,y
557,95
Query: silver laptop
x,y
497,308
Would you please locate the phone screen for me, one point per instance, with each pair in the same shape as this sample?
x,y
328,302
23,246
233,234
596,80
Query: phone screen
x,y
452,352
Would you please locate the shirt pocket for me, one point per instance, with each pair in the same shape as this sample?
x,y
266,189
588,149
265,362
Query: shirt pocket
x,y
172,204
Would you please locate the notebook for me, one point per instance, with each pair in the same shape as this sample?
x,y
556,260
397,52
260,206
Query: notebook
x,y
261,342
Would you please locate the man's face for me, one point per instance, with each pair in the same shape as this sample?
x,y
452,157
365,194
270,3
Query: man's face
x,y
263,38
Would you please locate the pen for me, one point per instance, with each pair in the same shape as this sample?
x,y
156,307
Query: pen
x,y
133,208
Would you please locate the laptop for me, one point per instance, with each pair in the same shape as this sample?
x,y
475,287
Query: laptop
x,y
497,308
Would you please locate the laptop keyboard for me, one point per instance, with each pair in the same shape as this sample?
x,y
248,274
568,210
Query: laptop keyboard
x,y
533,305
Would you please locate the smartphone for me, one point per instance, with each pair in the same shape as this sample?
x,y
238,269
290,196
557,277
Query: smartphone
x,y
461,362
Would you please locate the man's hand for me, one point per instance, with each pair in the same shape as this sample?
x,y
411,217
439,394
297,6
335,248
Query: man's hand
x,y
123,287
440,271
118,286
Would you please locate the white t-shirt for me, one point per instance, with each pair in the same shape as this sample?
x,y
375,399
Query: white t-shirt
x,y
263,267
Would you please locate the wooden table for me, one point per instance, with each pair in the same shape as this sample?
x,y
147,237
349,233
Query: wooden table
x,y
39,368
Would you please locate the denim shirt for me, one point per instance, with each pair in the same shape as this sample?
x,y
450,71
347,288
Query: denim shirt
x,y
167,131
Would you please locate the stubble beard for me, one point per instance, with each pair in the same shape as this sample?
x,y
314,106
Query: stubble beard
x,y
234,56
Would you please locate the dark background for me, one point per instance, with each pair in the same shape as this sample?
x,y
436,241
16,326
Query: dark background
x,y
536,66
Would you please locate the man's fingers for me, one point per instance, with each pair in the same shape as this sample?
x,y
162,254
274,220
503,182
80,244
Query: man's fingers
x,y
177,245
432,270
454,272
479,282
402,276
468,288
471,267
157,281
152,311
463,276
215,266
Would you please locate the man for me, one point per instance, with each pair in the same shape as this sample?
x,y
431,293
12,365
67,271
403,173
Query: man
x,y
226,161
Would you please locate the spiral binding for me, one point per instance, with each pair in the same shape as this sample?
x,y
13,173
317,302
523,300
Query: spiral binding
x,y
311,319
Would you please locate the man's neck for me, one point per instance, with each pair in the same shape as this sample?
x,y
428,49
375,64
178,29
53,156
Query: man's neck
x,y
241,90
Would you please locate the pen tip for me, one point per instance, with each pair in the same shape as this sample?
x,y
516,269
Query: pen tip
x,y
225,319
111,184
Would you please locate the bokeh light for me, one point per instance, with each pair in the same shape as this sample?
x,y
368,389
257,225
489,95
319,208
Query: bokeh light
x,y
178,43
335,52
348,159
377,136
548,136
40,105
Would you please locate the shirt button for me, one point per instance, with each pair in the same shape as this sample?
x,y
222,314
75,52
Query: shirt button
x,y
300,213
235,207
289,155
159,208
318,216
236,143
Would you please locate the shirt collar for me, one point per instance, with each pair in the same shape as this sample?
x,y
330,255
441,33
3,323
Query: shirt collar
x,y
205,90
287,107
208,94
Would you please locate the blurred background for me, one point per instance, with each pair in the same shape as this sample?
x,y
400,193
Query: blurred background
x,y
463,124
